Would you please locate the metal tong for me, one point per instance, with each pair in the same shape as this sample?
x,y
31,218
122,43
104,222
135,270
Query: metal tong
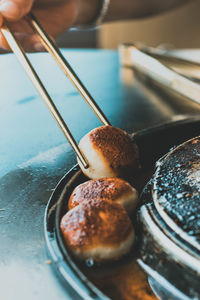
x,y
146,64
66,68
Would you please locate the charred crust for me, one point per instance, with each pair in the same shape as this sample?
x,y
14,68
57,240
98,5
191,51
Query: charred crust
x,y
96,223
115,146
108,188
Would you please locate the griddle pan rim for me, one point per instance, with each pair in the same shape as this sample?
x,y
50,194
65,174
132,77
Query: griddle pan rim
x,y
167,219
65,266
170,247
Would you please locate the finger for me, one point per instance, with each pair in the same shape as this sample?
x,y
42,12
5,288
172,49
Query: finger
x,y
30,43
57,18
1,20
37,43
3,43
15,9
23,34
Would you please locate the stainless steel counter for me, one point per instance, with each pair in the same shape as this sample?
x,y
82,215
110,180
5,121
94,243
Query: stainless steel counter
x,y
34,154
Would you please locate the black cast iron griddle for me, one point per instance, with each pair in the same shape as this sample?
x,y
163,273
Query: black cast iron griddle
x,y
117,280
170,237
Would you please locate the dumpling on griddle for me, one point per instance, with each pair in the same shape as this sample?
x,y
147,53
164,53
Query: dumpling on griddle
x,y
97,229
110,152
114,189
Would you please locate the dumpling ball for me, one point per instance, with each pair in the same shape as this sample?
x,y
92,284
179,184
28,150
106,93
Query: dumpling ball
x,y
110,152
113,189
99,230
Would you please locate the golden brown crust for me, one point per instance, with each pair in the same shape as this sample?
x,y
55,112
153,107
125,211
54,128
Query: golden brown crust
x,y
95,223
115,146
107,188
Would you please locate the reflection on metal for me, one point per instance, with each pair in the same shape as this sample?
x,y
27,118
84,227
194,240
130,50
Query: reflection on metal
x,y
158,72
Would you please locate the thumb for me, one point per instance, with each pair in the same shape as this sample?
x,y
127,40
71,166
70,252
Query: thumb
x,y
14,10
1,20
3,42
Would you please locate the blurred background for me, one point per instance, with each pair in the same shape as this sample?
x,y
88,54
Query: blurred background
x,y
178,29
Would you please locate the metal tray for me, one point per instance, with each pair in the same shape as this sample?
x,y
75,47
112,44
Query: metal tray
x,y
117,280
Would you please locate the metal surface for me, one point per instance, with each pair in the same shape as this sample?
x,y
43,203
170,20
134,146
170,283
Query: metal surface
x,y
166,56
23,59
67,69
158,72
34,154
161,287
188,67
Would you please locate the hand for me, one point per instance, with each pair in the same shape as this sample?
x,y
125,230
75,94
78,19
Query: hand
x,y
58,15
55,16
